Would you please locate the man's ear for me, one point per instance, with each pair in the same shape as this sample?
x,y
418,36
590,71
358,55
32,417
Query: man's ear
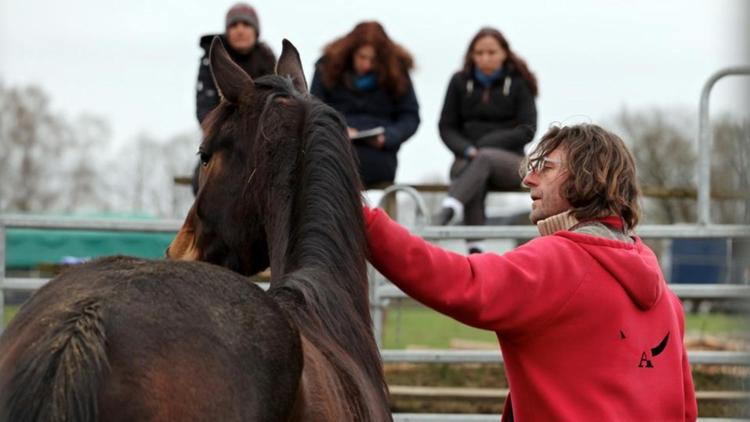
x,y
229,78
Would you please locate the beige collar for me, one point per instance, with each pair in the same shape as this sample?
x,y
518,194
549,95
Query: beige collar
x,y
563,221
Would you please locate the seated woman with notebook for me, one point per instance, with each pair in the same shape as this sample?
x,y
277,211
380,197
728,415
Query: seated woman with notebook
x,y
488,116
365,76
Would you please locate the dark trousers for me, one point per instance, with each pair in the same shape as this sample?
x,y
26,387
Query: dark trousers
x,y
470,180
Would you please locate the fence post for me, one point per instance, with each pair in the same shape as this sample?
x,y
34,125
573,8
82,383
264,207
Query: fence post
x,y
705,140
3,249
378,304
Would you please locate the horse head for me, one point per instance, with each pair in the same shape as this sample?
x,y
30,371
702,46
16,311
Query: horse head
x,y
253,122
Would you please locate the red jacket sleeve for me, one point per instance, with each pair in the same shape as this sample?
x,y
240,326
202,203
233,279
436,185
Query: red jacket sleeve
x,y
489,291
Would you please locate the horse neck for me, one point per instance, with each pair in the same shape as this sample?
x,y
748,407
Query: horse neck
x,y
315,221
314,234
317,251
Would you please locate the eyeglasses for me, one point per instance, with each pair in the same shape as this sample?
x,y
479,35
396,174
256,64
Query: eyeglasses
x,y
538,165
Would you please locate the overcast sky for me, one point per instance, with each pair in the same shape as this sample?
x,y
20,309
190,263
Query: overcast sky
x,y
134,63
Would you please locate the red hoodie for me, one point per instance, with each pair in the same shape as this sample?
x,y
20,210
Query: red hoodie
x,y
588,329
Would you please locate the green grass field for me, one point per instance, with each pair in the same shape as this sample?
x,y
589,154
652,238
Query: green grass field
x,y
716,323
409,325
10,312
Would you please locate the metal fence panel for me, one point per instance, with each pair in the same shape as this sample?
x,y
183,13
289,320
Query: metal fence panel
x,y
458,417
696,357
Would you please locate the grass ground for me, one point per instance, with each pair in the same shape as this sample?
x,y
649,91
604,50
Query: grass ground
x,y
410,325
10,312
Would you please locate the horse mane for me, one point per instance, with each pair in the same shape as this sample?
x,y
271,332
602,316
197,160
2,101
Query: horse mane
x,y
324,288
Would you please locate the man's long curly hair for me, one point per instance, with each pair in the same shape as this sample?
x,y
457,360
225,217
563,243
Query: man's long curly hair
x,y
601,171
392,61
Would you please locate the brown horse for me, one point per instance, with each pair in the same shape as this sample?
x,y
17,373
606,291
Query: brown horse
x,y
280,185
123,339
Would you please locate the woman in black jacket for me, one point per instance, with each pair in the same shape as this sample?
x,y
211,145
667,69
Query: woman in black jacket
x,y
241,40
489,115
365,76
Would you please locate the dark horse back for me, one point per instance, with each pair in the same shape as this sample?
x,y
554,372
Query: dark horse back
x,y
124,339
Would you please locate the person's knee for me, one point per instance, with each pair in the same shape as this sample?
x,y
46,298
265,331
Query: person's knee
x,y
485,156
497,161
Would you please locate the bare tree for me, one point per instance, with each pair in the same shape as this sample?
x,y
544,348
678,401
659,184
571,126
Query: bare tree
x,y
141,177
181,152
32,140
665,157
730,164
48,164
664,145
84,187
52,165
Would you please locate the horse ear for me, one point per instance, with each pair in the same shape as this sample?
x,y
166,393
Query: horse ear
x,y
290,65
229,78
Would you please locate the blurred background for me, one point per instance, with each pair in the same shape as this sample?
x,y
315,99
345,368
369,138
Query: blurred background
x,y
97,119
98,97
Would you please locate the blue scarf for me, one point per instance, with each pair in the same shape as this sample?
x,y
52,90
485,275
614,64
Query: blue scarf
x,y
366,82
487,80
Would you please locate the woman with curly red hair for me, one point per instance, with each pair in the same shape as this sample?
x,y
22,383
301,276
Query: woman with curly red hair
x,y
365,76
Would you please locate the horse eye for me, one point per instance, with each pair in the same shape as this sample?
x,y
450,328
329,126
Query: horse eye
x,y
205,157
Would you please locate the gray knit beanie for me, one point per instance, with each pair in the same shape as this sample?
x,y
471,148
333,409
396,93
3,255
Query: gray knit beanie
x,y
243,12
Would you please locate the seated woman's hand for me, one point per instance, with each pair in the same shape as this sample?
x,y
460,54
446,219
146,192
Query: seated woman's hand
x,y
377,142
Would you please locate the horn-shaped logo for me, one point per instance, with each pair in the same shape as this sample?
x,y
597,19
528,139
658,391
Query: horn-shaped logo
x,y
645,361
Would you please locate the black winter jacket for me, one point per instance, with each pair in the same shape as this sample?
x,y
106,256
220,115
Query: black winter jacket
x,y
258,62
502,115
368,109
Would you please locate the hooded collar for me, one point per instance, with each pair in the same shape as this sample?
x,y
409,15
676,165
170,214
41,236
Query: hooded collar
x,y
633,265
626,258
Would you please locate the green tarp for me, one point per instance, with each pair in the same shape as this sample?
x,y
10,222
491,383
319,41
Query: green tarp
x,y
28,248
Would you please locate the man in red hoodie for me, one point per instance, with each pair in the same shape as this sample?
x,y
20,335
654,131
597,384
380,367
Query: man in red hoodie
x,y
588,329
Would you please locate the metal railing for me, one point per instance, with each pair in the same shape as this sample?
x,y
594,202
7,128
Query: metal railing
x,y
696,357
708,291
382,291
460,417
683,291
705,142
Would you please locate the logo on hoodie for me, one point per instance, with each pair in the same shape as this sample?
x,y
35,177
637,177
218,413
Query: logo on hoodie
x,y
655,351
